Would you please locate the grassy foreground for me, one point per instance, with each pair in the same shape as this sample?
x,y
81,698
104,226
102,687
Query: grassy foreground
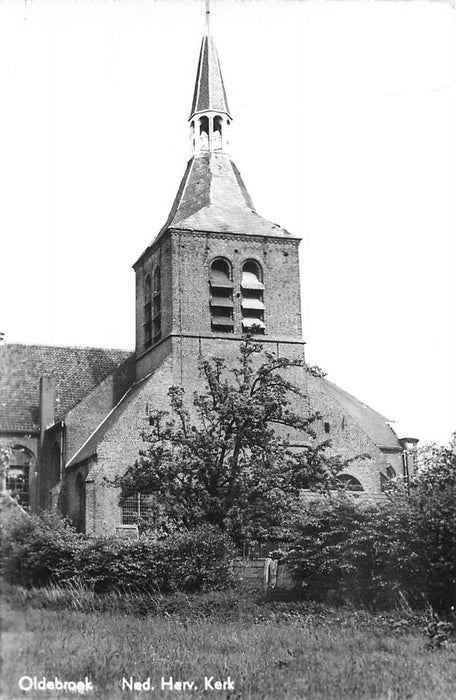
x,y
275,650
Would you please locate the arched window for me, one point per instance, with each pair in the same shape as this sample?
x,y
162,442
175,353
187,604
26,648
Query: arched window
x,y
80,502
217,134
386,478
147,312
349,482
390,472
204,133
252,298
55,465
21,462
221,301
157,305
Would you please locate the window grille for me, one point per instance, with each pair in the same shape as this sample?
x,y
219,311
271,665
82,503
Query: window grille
x,y
17,476
139,507
17,483
252,298
221,300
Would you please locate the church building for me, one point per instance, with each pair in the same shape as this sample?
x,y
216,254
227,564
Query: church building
x,y
72,417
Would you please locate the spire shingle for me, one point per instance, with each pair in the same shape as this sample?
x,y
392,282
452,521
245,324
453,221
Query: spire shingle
x,y
209,94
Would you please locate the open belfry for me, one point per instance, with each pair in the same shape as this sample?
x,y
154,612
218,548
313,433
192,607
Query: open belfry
x,y
73,417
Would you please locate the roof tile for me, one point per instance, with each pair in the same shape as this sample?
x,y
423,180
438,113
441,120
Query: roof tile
x,y
76,372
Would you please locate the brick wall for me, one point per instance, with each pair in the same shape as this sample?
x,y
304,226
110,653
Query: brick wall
x,y
159,255
192,254
349,441
119,449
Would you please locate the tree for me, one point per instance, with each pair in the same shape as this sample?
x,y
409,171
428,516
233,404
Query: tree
x,y
230,466
379,554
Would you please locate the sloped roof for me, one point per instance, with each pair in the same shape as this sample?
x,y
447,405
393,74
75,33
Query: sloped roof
x,y
89,448
371,422
212,197
76,372
209,93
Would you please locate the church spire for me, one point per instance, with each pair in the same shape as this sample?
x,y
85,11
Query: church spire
x,y
210,115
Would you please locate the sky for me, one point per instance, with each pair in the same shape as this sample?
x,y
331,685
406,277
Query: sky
x,y
344,131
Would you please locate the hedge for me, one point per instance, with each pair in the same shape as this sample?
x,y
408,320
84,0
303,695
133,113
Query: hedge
x,y
45,549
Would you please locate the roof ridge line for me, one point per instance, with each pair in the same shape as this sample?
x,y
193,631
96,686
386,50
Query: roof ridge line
x,y
387,420
64,347
378,445
200,62
176,206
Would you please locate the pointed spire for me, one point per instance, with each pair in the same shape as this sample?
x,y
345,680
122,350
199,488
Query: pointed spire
x,y
208,17
209,94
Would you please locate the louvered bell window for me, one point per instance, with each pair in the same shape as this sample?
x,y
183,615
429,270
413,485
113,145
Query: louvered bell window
x,y
221,297
148,312
252,298
156,302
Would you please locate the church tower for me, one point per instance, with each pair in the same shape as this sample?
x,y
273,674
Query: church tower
x,y
217,269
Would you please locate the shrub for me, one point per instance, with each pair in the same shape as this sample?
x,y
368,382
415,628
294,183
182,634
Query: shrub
x,y
39,549
348,551
334,556
45,549
188,561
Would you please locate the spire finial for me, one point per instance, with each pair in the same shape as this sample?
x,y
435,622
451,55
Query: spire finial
x,y
208,16
210,116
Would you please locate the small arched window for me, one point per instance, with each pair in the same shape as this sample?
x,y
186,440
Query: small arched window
x,y
156,297
55,465
386,478
80,501
349,482
252,298
217,134
390,472
221,300
204,133
147,312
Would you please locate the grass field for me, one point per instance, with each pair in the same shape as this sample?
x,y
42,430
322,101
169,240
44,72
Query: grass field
x,y
273,650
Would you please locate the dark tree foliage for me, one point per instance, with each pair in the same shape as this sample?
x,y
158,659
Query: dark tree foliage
x,y
431,504
228,464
